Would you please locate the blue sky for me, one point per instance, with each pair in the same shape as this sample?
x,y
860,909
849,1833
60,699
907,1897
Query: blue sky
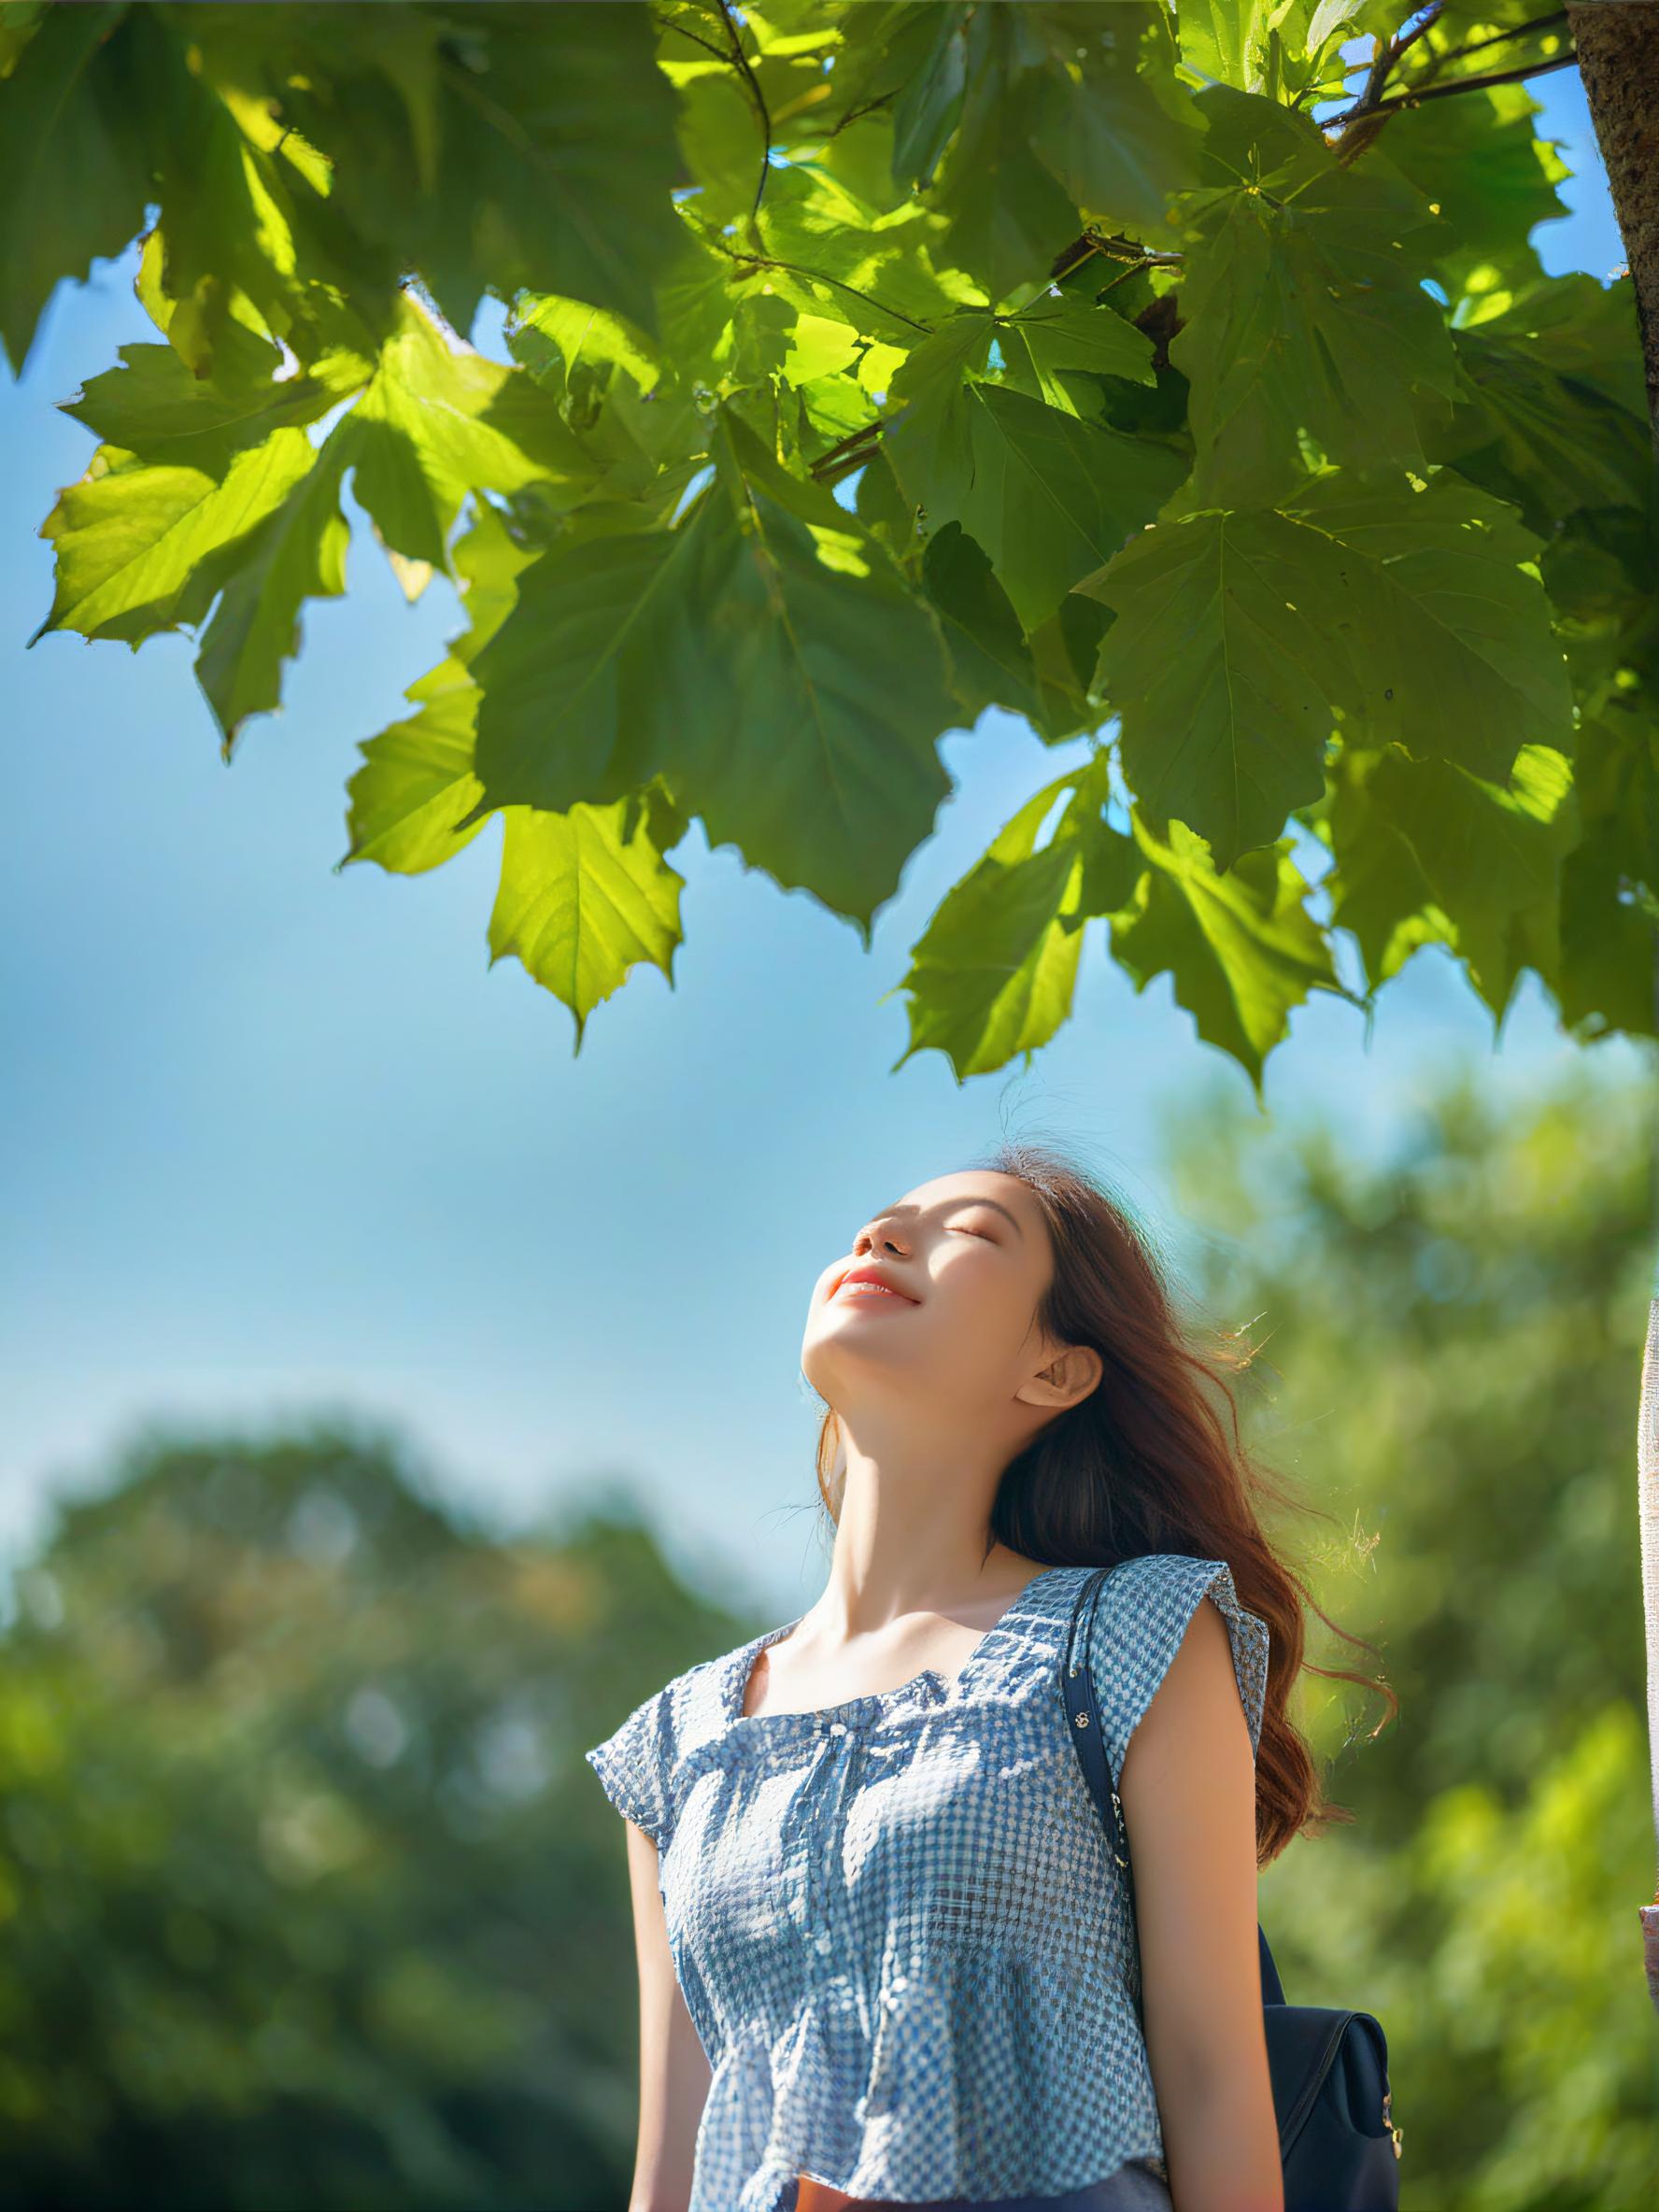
x,y
278,1143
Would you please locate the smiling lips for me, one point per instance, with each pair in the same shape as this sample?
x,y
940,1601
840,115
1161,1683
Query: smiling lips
x,y
859,1282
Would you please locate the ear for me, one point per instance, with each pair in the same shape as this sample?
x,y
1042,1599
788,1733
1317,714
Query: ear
x,y
1067,1380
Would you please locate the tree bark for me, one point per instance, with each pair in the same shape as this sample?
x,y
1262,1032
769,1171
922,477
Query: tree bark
x,y
1618,50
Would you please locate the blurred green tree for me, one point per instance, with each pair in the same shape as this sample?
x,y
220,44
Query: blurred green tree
x,y
307,1895
1459,1325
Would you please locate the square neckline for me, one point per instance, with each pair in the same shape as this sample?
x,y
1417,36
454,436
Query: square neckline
x,y
740,1668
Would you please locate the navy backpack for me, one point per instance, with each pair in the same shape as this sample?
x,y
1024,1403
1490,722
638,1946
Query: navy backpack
x,y
1337,2139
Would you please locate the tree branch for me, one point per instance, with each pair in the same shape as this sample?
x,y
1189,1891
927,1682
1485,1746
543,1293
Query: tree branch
x,y
1110,248
843,446
1372,101
1469,84
1383,64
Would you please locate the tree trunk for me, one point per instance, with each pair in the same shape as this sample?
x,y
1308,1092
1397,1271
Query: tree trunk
x,y
1618,50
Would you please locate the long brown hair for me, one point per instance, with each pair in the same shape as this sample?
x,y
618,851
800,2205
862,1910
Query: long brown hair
x,y
1144,1463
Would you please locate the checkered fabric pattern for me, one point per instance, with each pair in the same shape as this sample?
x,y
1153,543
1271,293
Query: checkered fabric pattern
x,y
899,1930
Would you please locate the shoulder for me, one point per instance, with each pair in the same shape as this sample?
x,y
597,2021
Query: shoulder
x,y
1158,1573
690,1704
699,1702
1145,1610
638,1761
1160,1589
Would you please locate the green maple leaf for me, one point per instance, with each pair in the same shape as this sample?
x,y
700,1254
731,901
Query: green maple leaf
x,y
1401,614
1107,128
246,235
149,539
1050,497
1056,336
582,896
1302,307
994,972
553,161
1556,416
764,659
143,547
436,422
299,553
416,779
73,176
989,656
1426,853
929,439
416,783
1241,947
1008,214
1479,158
586,896
1609,906
1456,655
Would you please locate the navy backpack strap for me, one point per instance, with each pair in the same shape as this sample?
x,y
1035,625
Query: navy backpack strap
x,y
1089,1740
1337,2141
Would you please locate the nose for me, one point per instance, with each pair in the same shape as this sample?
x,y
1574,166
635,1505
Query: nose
x,y
868,1239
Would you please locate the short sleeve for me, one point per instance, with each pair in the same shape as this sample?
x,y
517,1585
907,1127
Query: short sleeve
x,y
634,1764
1146,1610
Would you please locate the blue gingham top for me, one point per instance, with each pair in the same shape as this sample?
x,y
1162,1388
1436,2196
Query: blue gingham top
x,y
900,1934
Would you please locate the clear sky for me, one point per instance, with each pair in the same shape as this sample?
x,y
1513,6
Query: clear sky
x,y
276,1144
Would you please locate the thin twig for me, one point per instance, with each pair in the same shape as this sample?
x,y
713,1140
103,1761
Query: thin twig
x,y
742,60
1114,248
854,438
1387,58
1538,22
827,471
705,44
1470,84
853,114
849,467
1370,101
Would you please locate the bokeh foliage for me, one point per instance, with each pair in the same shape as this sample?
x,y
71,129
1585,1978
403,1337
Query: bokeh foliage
x,y
1140,370
308,1897
1447,1342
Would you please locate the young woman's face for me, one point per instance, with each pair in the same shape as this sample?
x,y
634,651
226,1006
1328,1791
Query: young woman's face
x,y
969,1257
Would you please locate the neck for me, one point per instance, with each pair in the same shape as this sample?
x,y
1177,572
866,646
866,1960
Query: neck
x,y
912,1537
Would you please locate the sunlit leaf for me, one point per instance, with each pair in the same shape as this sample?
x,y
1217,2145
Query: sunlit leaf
x,y
992,975
1241,947
586,896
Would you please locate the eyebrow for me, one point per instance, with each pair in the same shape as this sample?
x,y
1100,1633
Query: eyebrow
x,y
996,1205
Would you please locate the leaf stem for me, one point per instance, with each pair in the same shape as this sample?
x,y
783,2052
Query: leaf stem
x,y
766,260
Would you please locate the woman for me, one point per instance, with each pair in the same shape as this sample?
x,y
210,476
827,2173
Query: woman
x,y
885,1955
